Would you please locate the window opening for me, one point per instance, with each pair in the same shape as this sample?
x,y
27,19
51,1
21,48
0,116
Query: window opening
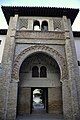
x,y
36,25
43,71
44,26
35,71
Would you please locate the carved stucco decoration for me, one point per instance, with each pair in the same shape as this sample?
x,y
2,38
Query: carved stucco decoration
x,y
42,35
39,48
57,23
23,23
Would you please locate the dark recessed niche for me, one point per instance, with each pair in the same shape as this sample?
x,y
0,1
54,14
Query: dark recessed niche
x,y
0,41
78,63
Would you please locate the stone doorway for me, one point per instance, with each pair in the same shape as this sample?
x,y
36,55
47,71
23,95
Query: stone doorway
x,y
39,100
39,71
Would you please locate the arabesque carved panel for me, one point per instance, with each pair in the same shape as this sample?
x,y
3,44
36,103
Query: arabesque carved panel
x,y
23,23
40,35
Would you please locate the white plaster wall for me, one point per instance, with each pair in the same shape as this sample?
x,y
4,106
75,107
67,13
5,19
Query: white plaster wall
x,y
77,45
2,38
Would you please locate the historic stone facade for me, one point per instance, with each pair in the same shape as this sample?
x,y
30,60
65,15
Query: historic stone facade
x,y
50,46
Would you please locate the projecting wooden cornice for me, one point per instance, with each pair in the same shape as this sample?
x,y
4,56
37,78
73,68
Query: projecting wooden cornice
x,y
39,11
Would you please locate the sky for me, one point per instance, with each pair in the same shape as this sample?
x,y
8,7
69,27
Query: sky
x,y
45,3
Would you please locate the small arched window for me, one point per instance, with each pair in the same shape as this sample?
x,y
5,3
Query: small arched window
x,y
43,71
36,25
35,71
44,26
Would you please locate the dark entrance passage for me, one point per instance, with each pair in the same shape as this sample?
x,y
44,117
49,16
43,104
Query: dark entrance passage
x,y
39,100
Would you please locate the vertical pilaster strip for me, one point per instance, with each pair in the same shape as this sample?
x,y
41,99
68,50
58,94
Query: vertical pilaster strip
x,y
2,93
66,95
12,101
76,68
72,67
7,62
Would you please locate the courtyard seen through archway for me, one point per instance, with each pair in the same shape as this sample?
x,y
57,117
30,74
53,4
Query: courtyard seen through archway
x,y
39,100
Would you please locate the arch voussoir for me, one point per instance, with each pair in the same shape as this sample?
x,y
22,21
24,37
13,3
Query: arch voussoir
x,y
39,48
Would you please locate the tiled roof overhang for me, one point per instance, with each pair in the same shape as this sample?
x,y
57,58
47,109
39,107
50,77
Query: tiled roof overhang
x,y
39,11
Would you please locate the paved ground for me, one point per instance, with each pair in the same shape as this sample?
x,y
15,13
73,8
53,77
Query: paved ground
x,y
39,114
40,117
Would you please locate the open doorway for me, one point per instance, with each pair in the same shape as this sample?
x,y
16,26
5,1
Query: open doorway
x,y
39,100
